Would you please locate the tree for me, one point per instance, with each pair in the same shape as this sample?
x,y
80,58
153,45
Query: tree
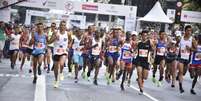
x,y
191,5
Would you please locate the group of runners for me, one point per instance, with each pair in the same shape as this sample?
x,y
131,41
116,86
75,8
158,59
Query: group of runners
x,y
86,51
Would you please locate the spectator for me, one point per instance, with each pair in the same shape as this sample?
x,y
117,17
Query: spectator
x,y
2,39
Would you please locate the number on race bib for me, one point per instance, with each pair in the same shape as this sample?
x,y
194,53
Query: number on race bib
x,y
185,54
127,55
96,51
143,53
161,51
198,56
39,45
13,43
60,50
112,49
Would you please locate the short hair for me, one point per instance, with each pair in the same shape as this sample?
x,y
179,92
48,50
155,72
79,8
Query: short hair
x,y
53,23
162,31
90,26
62,22
144,31
188,26
40,23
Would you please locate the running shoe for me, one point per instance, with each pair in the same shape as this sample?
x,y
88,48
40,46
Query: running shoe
x,y
95,82
69,74
153,79
76,80
193,92
159,83
129,83
39,71
88,79
30,71
141,92
122,87
84,75
34,80
106,76
12,66
61,76
109,81
56,84
48,70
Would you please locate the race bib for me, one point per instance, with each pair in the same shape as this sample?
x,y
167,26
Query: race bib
x,y
127,55
197,56
24,45
143,53
96,51
60,50
113,49
161,51
171,50
13,43
185,54
39,45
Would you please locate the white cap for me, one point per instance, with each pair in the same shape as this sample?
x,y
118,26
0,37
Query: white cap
x,y
178,33
134,33
173,41
117,27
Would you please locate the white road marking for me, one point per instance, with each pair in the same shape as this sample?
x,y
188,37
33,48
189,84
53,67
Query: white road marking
x,y
40,91
16,75
146,94
199,81
23,76
1,75
7,75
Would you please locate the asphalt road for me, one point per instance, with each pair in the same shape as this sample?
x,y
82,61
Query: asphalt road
x,y
17,86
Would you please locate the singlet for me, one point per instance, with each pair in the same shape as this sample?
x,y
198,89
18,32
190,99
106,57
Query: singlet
x,y
160,48
171,52
143,51
126,51
76,45
183,52
96,50
134,46
30,36
40,44
114,45
24,40
87,43
14,44
61,44
49,36
196,58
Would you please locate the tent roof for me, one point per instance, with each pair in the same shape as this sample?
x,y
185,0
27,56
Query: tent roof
x,y
156,14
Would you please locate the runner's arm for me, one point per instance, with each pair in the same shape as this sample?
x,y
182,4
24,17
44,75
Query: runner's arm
x,y
32,39
52,39
194,45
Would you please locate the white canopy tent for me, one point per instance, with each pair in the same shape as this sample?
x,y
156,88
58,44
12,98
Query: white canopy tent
x,y
156,14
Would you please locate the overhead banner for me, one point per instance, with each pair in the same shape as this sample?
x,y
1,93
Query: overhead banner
x,y
6,12
74,20
191,16
51,4
99,8
129,12
77,6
